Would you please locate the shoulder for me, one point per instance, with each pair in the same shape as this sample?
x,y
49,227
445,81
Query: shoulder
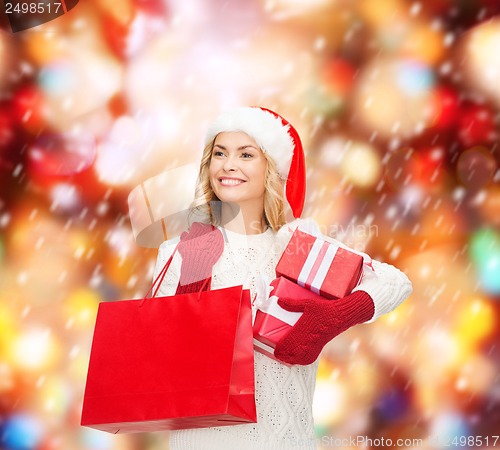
x,y
306,225
170,243
167,247
284,234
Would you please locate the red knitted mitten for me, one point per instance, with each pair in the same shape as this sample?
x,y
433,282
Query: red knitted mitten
x,y
320,322
200,249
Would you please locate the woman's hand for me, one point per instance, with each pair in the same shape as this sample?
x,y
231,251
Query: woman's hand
x,y
200,249
320,322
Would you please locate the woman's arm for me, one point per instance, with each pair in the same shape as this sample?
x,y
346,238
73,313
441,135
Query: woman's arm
x,y
386,285
191,268
381,289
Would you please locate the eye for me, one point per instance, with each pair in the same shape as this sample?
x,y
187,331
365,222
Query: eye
x,y
218,153
247,155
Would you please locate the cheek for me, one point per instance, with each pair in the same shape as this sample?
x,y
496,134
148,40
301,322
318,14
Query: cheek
x,y
262,173
212,169
211,182
263,184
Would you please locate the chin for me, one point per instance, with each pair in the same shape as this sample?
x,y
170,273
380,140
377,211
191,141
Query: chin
x,y
230,199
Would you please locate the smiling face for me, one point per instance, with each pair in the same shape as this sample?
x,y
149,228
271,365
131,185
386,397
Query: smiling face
x,y
237,170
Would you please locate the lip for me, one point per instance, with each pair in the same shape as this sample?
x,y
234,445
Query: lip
x,y
230,182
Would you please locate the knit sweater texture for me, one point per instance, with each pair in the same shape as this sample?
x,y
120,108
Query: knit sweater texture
x,y
283,394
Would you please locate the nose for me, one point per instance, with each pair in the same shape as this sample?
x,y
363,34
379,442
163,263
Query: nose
x,y
231,163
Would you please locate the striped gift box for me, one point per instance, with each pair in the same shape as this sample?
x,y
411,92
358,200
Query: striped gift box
x,y
320,266
272,322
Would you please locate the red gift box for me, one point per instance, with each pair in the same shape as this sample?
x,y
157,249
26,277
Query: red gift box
x,y
272,322
320,266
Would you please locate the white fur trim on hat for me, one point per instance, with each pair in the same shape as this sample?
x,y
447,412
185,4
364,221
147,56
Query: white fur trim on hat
x,y
267,130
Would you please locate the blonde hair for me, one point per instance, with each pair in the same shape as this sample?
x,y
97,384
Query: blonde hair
x,y
206,205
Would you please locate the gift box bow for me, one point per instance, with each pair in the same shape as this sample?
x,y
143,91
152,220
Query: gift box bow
x,y
270,306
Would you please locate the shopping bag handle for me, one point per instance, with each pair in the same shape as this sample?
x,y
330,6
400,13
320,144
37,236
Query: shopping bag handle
x,y
159,278
207,281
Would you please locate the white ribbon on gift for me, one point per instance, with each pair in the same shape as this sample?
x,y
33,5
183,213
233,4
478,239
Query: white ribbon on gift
x,y
269,304
309,226
324,265
272,308
262,290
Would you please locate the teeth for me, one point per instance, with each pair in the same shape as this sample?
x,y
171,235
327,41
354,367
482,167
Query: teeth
x,y
231,182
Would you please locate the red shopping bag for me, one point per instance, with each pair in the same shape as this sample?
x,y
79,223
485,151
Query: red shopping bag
x,y
167,363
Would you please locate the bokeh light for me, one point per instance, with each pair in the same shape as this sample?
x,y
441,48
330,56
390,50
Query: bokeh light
x,y
477,375
2,247
485,253
84,82
483,69
96,440
6,58
8,327
55,154
6,125
81,308
328,393
45,48
449,427
65,197
378,15
446,107
21,432
476,167
35,349
361,165
490,207
477,125
54,399
139,146
394,97
423,43
393,404
28,108
296,6
475,322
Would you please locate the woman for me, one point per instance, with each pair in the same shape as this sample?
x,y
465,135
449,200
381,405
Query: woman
x,y
251,156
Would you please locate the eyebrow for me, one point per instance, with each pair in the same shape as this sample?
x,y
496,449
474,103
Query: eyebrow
x,y
243,147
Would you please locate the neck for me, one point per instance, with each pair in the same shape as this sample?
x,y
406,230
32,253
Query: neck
x,y
243,220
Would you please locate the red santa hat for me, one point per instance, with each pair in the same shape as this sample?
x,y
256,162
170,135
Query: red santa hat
x,y
276,137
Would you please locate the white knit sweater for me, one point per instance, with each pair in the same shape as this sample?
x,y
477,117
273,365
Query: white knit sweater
x,y
283,394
